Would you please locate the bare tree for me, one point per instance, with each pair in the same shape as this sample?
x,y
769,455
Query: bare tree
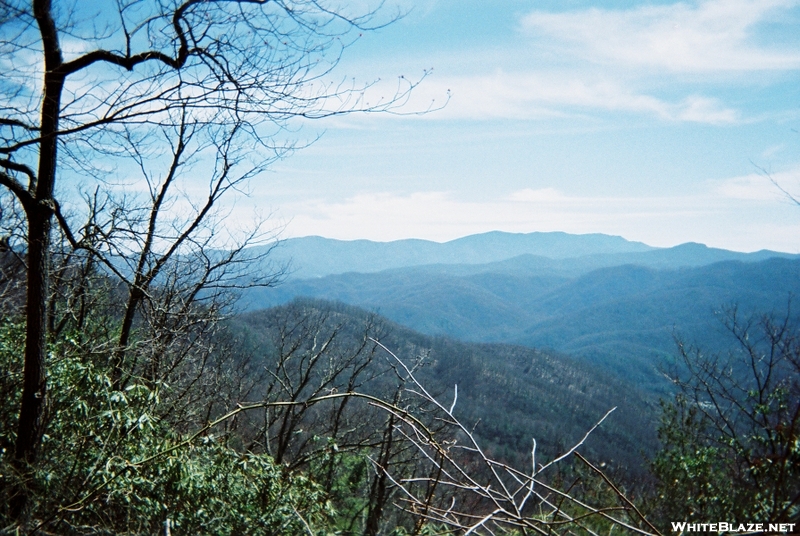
x,y
730,436
307,350
12,263
468,491
83,90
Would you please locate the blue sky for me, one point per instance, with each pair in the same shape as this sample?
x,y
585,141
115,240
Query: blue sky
x,y
656,121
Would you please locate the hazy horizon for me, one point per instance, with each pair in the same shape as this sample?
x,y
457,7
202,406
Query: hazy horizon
x,y
521,233
664,122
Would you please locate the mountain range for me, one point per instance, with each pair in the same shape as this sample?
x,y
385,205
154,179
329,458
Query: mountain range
x,y
558,252
619,304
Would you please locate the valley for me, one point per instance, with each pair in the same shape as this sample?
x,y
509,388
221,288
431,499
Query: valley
x,y
619,305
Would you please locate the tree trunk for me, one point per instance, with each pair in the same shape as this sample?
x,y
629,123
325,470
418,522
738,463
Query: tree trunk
x,y
40,215
34,389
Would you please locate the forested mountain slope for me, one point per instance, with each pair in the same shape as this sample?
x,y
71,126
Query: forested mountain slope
x,y
511,394
630,316
624,318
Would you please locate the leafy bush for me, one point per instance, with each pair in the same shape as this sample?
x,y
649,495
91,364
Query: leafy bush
x,y
730,436
109,464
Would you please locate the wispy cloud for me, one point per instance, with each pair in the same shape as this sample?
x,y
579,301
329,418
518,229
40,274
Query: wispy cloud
x,y
783,186
724,214
535,95
676,62
749,187
711,35
770,152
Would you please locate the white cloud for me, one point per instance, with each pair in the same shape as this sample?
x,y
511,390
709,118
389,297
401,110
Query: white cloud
x,y
711,35
667,62
543,94
724,214
750,187
704,110
760,186
528,195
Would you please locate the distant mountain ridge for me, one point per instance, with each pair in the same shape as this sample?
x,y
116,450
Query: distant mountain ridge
x,y
552,252
315,256
612,302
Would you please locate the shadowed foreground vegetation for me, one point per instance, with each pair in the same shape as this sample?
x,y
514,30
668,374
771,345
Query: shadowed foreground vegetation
x,y
285,421
298,420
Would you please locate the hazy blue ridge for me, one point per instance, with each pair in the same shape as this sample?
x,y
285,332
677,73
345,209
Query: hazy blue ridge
x,y
546,254
624,317
617,313
316,256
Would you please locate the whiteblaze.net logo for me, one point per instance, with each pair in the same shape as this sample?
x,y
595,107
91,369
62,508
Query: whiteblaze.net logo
x,y
722,526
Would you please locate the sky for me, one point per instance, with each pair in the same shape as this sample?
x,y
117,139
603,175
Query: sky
x,y
662,122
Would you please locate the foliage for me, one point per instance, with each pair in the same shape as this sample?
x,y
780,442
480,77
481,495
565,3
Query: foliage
x,y
111,465
731,435
694,483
